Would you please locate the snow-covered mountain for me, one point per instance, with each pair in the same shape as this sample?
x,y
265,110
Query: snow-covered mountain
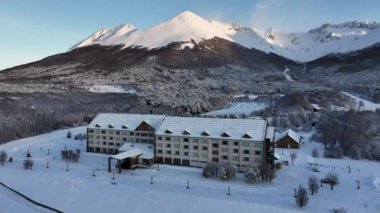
x,y
190,28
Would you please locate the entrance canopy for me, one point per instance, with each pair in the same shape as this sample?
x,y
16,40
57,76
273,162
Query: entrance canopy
x,y
142,150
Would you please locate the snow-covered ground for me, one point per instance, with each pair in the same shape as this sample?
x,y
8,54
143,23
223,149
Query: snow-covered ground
x,y
77,191
239,108
363,104
111,89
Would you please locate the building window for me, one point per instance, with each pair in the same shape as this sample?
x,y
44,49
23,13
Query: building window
x,y
186,153
137,133
236,143
204,155
235,158
246,152
159,144
97,137
215,152
177,146
225,142
204,148
91,131
110,132
124,139
144,134
110,144
185,146
195,140
104,137
168,152
236,151
177,153
144,140
103,131
131,133
215,145
215,159
168,145
111,138
245,143
195,147
167,139
104,143
159,151
203,141
159,138
138,140
117,144
246,159
151,135
224,149
225,157
257,152
185,139
117,132
194,154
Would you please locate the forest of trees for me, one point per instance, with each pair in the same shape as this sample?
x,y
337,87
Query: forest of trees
x,y
351,133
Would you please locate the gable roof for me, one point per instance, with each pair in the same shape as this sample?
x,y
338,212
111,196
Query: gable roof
x,y
296,137
217,128
129,121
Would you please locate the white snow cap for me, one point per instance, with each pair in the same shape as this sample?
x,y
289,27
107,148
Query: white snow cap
x,y
188,27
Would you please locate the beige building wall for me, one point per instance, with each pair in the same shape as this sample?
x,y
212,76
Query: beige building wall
x,y
198,151
108,141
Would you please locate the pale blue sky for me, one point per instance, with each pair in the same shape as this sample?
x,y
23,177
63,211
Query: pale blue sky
x,y
33,29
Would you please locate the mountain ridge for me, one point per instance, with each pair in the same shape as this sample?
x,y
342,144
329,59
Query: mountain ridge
x,y
187,27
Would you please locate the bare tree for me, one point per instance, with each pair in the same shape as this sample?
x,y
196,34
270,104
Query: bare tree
x,y
3,157
28,163
293,156
313,184
332,179
302,197
315,153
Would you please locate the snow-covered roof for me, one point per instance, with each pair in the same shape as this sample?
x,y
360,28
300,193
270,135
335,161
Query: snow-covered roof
x,y
145,151
129,154
125,121
214,127
296,137
270,133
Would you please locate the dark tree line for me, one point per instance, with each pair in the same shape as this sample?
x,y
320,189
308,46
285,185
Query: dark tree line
x,y
353,134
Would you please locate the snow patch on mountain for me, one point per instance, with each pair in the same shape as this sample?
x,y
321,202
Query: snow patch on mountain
x,y
190,28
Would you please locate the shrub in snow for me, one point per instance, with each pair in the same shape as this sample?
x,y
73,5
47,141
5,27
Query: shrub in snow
x,y
313,184
28,163
315,153
332,179
302,198
70,155
224,171
267,174
252,175
340,210
3,157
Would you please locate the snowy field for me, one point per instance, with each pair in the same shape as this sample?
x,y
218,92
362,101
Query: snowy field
x,y
110,89
363,104
77,190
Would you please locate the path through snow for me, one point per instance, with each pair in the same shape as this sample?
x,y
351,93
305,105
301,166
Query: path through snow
x,y
287,76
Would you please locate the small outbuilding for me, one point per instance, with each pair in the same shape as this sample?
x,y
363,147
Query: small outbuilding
x,y
133,155
288,140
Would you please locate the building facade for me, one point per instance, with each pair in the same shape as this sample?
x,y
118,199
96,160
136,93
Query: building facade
x,y
186,141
